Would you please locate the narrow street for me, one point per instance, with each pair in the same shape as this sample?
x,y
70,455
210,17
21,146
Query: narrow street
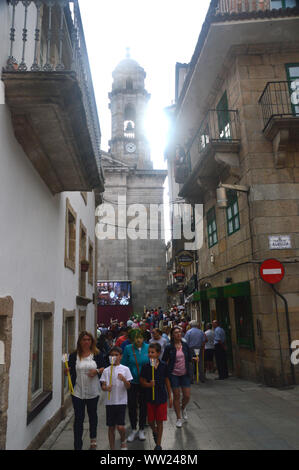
x,y
231,414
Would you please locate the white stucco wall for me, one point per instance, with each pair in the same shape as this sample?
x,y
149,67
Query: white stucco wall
x,y
32,236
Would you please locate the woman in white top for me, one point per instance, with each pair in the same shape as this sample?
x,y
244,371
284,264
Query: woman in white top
x,y
86,364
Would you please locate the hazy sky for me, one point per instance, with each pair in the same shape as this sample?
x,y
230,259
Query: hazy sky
x,y
159,34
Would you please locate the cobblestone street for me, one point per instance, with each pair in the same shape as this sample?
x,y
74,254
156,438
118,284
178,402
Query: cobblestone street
x,y
231,414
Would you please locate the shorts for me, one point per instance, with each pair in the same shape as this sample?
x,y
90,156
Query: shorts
x,y
178,381
115,415
209,355
156,412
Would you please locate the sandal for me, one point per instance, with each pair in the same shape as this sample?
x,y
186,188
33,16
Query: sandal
x,y
125,444
93,444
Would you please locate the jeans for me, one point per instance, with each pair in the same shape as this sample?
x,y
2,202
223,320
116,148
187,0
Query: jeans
x,y
136,395
79,409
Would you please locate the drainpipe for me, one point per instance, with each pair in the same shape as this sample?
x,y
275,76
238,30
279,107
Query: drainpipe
x,y
288,328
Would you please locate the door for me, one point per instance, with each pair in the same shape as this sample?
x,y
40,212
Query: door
x,y
224,126
293,79
222,311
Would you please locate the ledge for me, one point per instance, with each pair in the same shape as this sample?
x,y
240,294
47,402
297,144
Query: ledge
x,y
38,405
83,301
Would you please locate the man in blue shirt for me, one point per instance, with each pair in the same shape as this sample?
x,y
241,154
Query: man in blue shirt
x,y
220,350
196,339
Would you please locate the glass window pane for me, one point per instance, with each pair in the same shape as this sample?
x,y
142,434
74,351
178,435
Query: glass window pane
x,y
229,212
209,229
290,3
37,357
214,226
237,223
294,72
276,4
230,227
215,238
235,208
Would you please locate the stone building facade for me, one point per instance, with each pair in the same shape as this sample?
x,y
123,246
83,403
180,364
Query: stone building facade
x,y
50,184
237,120
131,180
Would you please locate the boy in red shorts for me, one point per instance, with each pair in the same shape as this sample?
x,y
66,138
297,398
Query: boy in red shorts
x,y
157,404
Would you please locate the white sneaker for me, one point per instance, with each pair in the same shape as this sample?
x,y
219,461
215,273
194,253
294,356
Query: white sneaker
x,y
141,435
133,435
179,423
185,416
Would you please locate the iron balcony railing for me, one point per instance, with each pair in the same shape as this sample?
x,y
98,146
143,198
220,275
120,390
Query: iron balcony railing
x,y
242,6
280,99
47,36
219,127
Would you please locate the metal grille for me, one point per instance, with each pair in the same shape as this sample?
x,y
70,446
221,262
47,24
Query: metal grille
x,y
278,99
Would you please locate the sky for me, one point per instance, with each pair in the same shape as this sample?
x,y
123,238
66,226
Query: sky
x,y
159,33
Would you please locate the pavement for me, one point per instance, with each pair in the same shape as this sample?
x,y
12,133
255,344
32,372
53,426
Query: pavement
x,y
231,414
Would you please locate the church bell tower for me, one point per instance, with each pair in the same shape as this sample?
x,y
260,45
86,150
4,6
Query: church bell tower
x,y
128,103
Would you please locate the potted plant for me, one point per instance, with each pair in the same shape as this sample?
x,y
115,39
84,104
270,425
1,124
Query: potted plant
x,y
84,265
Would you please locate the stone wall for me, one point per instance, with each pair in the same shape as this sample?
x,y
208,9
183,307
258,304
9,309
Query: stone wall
x,y
272,208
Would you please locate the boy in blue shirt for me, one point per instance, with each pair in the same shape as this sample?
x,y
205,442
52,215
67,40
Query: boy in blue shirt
x,y
157,404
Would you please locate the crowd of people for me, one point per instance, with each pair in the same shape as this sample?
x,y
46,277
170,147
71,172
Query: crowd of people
x,y
145,364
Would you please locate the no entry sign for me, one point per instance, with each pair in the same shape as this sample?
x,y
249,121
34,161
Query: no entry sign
x,y
272,271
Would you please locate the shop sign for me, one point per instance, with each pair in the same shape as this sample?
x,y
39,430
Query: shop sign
x,y
185,258
280,242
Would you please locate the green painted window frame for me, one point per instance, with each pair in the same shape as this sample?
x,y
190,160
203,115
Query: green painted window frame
x,y
232,213
244,323
283,5
212,228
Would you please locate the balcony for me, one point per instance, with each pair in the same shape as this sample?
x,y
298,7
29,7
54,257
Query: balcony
x,y
49,91
280,109
213,151
249,6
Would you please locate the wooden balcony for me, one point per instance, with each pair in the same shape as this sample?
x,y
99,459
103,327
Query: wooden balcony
x,y
49,91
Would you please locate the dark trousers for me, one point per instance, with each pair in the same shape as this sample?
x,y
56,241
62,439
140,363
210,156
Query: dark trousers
x,y
221,361
137,397
79,409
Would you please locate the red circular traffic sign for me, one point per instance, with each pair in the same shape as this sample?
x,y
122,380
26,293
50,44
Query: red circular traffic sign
x,y
272,271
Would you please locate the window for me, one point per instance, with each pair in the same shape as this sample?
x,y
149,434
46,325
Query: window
x,y
90,259
82,256
224,126
41,358
292,76
68,344
244,322
70,237
232,212
37,359
277,4
129,84
129,121
212,227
